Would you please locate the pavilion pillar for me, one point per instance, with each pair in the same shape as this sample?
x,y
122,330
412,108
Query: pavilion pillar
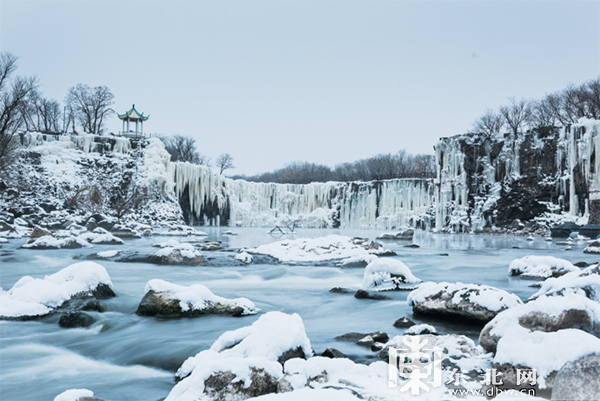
x,y
128,125
142,127
136,127
123,130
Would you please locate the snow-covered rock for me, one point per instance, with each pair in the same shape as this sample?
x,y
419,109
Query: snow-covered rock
x,y
386,274
547,353
247,362
49,242
540,267
32,297
420,329
164,299
547,314
357,261
593,247
332,247
74,395
585,282
244,257
175,253
578,380
470,302
101,236
406,233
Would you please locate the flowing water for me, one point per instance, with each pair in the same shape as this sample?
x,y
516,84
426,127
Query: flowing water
x,y
127,357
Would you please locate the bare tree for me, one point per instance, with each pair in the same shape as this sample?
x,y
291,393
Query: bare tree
x,y
592,97
41,114
90,106
224,162
516,114
543,114
13,95
489,124
183,149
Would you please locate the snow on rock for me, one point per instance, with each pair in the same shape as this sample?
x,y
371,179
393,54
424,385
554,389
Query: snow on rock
x,y
547,314
585,282
73,395
174,253
357,261
164,299
520,348
540,266
49,242
107,254
404,233
180,230
31,297
419,329
470,302
593,247
243,363
332,247
101,237
388,274
244,257
578,380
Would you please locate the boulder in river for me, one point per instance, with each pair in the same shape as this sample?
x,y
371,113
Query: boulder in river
x,y
578,380
167,300
388,274
467,302
540,267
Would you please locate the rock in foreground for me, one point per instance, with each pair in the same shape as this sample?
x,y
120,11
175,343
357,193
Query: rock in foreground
x,y
33,297
167,300
467,302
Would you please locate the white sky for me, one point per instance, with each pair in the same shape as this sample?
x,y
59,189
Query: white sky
x,y
322,81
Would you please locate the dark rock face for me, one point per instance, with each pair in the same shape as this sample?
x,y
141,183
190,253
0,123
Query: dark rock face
x,y
341,290
75,319
223,386
404,323
362,294
578,380
290,354
37,233
333,353
174,259
377,336
165,305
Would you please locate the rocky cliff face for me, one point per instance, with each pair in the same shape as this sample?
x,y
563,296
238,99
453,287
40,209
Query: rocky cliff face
x,y
501,182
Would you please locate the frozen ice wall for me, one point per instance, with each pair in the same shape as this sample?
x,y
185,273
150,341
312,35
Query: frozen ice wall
x,y
484,181
211,199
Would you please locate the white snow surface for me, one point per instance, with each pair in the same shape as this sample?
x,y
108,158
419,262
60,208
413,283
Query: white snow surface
x,y
420,328
540,266
186,249
48,241
258,345
331,247
35,297
507,320
244,257
73,395
379,275
544,352
198,296
486,296
573,282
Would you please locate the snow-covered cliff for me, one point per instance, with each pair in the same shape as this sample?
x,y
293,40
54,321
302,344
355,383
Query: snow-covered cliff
x,y
486,182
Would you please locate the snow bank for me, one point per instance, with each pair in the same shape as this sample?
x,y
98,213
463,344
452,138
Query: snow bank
x,y
258,346
198,297
73,395
387,274
100,236
544,352
36,297
319,249
540,266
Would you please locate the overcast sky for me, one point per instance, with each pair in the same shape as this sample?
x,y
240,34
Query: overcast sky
x,y
273,82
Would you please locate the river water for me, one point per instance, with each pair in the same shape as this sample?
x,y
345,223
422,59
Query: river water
x,y
127,357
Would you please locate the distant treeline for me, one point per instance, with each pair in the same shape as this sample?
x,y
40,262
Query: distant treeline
x,y
379,167
553,110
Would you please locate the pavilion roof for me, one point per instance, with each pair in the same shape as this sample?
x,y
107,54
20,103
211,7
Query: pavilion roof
x,y
133,114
